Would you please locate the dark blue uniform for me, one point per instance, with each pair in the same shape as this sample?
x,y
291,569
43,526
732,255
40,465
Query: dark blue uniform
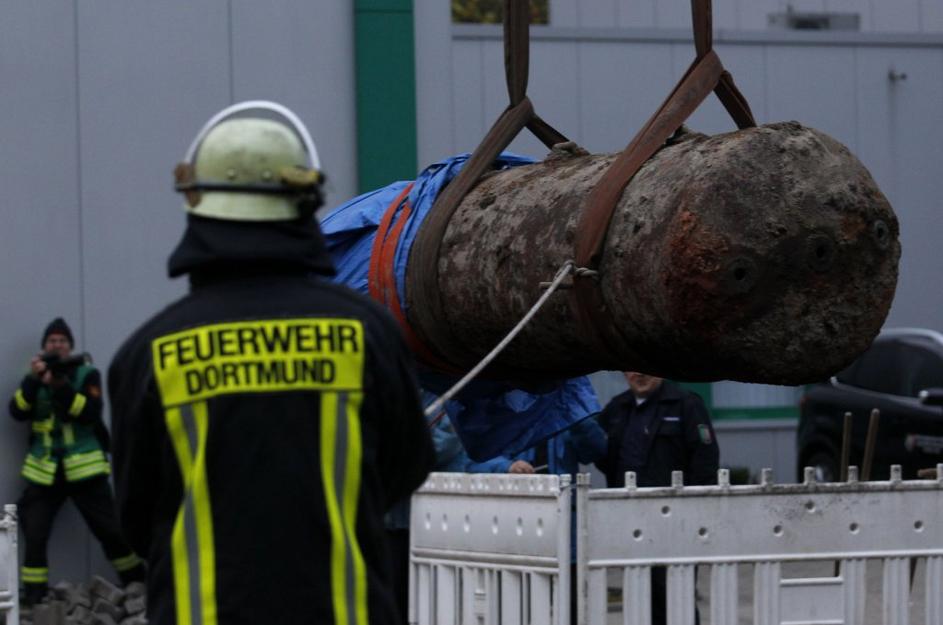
x,y
670,431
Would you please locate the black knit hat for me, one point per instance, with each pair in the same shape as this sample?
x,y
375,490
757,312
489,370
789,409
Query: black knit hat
x,y
58,326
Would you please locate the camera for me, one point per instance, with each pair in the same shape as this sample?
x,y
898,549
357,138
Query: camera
x,y
59,366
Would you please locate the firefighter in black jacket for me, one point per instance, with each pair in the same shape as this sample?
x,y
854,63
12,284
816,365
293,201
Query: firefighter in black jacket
x,y
61,397
654,428
263,423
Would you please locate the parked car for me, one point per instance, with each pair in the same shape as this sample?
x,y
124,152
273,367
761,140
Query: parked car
x,y
889,376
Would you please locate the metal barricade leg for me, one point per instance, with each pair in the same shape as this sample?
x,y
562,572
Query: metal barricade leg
x,y
9,578
934,590
424,595
680,608
511,598
637,595
724,594
766,578
854,590
446,595
540,598
896,591
596,597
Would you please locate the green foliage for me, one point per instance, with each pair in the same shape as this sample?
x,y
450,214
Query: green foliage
x,y
492,11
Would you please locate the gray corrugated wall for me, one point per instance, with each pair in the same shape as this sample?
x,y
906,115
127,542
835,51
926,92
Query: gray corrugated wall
x,y
98,101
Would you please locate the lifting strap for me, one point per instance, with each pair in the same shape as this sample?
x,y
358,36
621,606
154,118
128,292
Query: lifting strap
x,y
423,279
705,74
381,274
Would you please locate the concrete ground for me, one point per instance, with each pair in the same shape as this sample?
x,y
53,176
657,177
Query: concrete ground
x,y
873,606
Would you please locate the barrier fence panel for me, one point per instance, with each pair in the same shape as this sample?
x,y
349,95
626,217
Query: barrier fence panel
x,y
719,528
9,567
490,550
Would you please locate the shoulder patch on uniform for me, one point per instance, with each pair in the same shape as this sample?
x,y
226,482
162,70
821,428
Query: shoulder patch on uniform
x,y
704,432
94,391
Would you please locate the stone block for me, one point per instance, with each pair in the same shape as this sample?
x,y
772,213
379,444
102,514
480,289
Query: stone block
x,y
135,589
137,619
49,614
62,590
116,612
77,596
80,613
102,588
135,605
101,619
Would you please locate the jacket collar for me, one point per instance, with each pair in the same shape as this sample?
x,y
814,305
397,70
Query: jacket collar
x,y
215,247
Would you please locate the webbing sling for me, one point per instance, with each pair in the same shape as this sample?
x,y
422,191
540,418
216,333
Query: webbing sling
x,y
381,275
705,74
423,279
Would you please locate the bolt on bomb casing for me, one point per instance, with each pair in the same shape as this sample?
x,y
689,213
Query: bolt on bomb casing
x,y
763,255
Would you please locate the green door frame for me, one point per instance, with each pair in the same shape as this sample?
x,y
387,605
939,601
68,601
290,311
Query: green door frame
x,y
385,68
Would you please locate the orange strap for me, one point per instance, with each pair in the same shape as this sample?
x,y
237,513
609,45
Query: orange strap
x,y
381,275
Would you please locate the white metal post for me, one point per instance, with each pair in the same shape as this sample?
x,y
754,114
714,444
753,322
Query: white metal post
x,y
724,594
9,575
582,581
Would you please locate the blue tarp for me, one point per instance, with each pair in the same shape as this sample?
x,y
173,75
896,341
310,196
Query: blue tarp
x,y
492,418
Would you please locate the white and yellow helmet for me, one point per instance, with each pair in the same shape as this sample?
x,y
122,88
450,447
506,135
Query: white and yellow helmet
x,y
251,167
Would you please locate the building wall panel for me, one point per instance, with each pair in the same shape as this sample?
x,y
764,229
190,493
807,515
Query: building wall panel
x,y
622,86
470,114
814,85
278,53
105,99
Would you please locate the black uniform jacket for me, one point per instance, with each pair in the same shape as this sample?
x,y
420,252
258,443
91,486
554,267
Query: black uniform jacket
x,y
262,426
680,438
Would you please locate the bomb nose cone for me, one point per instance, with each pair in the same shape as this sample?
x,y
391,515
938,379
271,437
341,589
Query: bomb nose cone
x,y
785,276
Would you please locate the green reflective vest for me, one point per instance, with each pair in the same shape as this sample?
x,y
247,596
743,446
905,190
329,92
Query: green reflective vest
x,y
56,440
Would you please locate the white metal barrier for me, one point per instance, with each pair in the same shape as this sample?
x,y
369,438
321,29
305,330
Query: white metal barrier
x,y
488,549
9,567
495,549
721,527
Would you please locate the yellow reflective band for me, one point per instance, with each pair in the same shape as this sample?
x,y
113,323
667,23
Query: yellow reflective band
x,y
46,425
81,466
260,356
196,491
80,474
126,563
342,515
34,575
78,460
37,477
338,560
204,518
68,434
20,400
178,539
351,497
78,403
39,470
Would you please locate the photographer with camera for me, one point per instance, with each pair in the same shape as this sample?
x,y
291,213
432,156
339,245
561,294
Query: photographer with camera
x,y
62,398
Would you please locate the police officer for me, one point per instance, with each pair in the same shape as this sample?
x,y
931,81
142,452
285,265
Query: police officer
x,y
264,422
61,397
654,428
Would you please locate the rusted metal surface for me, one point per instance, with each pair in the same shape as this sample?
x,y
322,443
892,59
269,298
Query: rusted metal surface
x,y
762,255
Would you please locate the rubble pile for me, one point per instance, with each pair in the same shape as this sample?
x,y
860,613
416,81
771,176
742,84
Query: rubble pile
x,y
98,602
